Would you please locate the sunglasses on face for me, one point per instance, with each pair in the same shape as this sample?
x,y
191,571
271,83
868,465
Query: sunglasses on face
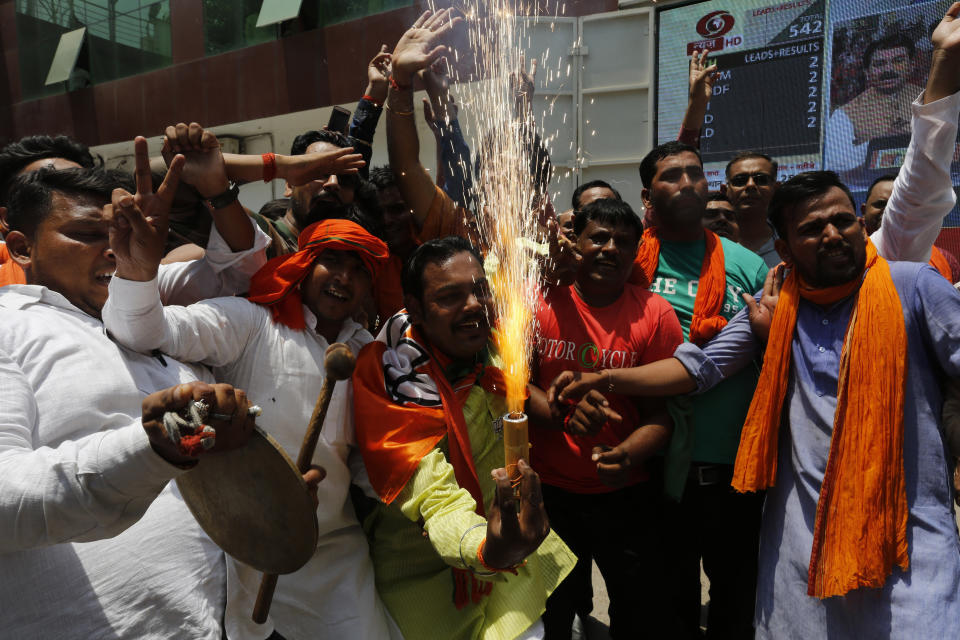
x,y
759,179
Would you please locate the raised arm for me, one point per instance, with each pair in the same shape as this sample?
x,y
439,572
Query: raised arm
x,y
366,116
296,170
133,312
701,80
923,191
205,170
454,174
417,49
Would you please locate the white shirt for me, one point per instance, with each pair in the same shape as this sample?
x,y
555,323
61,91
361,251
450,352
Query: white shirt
x,y
76,468
922,194
281,369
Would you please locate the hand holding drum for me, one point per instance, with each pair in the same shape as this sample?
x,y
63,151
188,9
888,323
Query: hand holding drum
x,y
338,364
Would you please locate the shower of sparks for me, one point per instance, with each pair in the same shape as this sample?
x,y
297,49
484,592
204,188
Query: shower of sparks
x,y
505,192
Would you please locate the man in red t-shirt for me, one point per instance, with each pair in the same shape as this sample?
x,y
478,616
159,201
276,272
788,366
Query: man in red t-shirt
x,y
599,490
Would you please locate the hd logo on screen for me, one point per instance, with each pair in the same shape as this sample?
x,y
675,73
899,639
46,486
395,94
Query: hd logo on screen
x,y
713,27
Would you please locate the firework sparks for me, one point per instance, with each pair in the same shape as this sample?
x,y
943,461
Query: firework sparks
x,y
506,191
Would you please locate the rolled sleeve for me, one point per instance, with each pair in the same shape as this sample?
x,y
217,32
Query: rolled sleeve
x,y
221,272
734,348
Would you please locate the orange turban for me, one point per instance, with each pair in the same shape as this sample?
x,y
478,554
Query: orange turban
x,y
277,283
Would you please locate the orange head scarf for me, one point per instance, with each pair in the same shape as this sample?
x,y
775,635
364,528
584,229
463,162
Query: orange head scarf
x,y
711,288
860,531
277,283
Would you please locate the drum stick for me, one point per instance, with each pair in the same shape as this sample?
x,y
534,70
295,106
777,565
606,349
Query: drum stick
x,y
338,363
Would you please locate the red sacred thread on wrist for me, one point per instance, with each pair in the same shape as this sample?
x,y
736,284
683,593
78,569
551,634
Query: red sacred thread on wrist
x,y
269,166
371,99
483,563
397,86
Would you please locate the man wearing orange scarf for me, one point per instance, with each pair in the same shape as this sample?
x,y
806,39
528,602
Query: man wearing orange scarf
x,y
702,276
858,537
275,341
455,555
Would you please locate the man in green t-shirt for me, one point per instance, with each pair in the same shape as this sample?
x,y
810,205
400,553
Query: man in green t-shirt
x,y
711,522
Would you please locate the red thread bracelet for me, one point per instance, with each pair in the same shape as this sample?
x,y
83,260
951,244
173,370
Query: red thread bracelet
x,y
483,563
269,166
370,99
397,86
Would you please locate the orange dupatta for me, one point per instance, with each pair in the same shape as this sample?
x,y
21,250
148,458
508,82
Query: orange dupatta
x,y
10,271
939,262
393,437
711,288
860,531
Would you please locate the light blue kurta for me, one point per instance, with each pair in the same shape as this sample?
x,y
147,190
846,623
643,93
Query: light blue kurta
x,y
923,602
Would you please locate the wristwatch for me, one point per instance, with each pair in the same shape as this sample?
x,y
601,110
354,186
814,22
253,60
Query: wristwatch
x,y
226,198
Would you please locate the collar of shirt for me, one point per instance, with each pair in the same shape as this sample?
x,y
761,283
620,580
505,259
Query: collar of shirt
x,y
348,330
18,296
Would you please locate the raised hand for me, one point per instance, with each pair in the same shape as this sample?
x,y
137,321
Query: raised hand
x,y
511,537
420,46
946,37
204,169
301,169
564,260
139,222
702,77
761,313
944,77
378,74
523,85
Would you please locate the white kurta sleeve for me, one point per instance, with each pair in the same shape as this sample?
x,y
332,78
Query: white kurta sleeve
x,y
923,192
85,489
221,272
214,332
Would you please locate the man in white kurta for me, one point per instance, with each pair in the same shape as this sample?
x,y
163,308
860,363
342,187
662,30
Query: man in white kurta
x,y
281,369
94,541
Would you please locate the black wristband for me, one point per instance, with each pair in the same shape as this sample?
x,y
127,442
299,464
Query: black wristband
x,y
226,198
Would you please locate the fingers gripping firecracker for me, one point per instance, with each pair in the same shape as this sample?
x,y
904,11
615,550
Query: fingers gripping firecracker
x,y
187,429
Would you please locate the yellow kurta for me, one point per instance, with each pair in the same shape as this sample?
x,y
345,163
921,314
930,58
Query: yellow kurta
x,y
413,570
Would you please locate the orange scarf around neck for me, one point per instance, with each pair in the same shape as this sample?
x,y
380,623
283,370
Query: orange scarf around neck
x,y
711,288
939,262
860,531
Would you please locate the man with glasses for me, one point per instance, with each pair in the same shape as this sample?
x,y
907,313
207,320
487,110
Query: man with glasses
x,y
751,183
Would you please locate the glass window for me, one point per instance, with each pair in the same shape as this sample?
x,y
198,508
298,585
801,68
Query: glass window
x,y
232,24
124,38
335,11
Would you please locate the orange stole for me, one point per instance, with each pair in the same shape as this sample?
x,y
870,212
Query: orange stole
x,y
10,271
711,288
393,438
939,262
860,531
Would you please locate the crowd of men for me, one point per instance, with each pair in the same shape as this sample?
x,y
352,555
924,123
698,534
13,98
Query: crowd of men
x,y
752,381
